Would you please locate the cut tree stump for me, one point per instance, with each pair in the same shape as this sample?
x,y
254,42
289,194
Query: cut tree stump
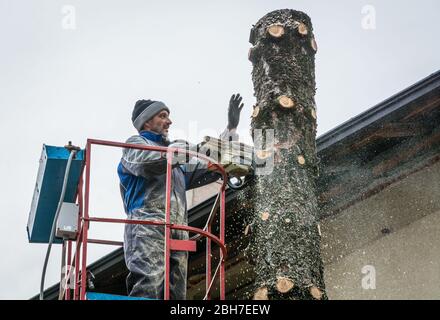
x,y
285,244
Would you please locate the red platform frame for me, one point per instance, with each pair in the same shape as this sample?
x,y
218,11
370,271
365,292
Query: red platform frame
x,y
84,220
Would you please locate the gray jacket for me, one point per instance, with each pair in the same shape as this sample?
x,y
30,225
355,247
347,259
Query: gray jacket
x,y
142,177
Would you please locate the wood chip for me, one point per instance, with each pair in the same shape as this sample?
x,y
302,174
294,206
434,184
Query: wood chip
x,y
286,102
301,160
319,230
302,29
261,294
247,229
284,284
265,216
316,293
276,30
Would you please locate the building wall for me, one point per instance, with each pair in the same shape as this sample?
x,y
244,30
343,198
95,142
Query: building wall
x,y
394,234
406,266
198,195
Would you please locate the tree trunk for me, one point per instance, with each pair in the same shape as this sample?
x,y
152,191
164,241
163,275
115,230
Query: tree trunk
x,y
285,239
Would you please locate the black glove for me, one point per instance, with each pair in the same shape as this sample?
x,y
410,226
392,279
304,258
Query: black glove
x,y
234,111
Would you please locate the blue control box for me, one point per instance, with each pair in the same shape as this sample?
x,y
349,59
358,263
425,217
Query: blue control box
x,y
47,191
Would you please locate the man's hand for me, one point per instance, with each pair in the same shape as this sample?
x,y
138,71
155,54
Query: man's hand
x,y
234,111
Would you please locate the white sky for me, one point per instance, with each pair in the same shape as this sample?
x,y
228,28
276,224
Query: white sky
x,y
59,85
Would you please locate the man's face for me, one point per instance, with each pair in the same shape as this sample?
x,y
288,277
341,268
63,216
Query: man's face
x,y
159,123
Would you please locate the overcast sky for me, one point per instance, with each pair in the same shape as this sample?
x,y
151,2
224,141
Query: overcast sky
x,y
72,70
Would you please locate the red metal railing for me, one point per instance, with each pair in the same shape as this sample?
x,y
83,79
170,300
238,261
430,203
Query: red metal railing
x,y
80,255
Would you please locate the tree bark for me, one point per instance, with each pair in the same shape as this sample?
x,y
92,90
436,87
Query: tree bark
x,y
285,238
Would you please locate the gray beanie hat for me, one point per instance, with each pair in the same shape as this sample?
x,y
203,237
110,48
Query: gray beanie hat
x,y
144,110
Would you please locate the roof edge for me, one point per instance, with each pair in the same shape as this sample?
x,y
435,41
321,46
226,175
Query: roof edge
x,y
379,111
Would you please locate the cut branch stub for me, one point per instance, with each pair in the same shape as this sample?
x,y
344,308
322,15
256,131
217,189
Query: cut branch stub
x,y
263,154
286,102
313,113
316,293
265,215
261,294
302,29
301,160
314,44
284,284
275,30
256,111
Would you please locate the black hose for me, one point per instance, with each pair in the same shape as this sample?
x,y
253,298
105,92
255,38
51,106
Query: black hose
x,y
52,232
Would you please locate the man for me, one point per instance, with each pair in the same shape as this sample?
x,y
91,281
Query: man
x,y
142,177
